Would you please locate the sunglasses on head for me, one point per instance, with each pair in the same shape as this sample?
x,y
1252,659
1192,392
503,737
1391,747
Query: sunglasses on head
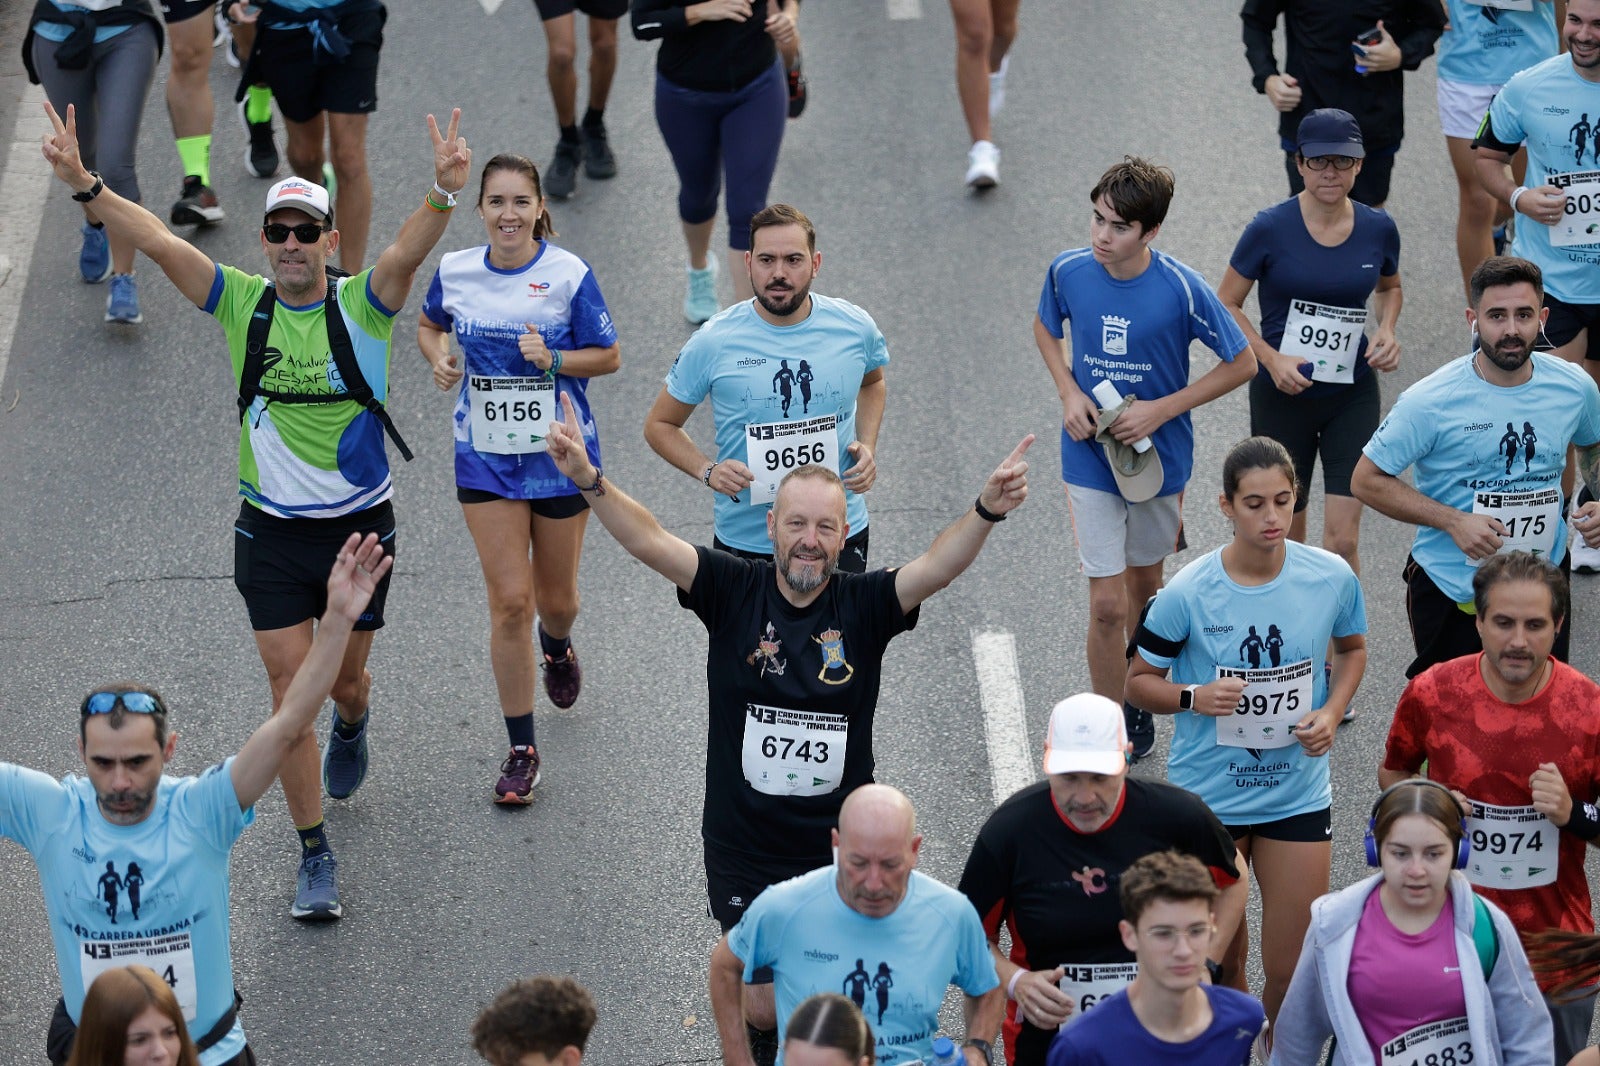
x,y
305,232
106,702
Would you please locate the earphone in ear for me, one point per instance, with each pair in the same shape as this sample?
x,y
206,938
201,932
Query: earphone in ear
x,y
1463,850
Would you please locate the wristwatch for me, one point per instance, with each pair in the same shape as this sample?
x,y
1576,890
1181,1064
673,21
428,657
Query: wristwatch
x,y
92,191
1186,698
984,1048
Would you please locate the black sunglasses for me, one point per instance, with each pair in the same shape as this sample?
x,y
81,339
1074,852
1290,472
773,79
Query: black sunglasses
x,y
136,702
305,232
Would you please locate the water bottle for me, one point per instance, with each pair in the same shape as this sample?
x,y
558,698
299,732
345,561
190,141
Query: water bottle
x,y
945,1053
1107,396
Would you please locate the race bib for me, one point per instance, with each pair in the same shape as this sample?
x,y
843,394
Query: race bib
x,y
1328,336
1512,847
772,449
170,956
1531,518
1580,220
794,753
509,415
1274,699
1431,1044
1087,985
1503,5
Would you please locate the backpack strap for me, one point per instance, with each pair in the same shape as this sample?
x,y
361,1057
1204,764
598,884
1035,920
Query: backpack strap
x,y
357,390
1484,936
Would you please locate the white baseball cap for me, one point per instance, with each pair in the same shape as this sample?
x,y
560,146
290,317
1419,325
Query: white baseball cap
x,y
299,194
1086,736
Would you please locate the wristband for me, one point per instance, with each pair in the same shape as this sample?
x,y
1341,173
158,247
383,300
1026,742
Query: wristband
x,y
92,191
1011,985
984,513
707,476
1584,822
598,488
433,205
555,361
448,196
984,1049
1518,191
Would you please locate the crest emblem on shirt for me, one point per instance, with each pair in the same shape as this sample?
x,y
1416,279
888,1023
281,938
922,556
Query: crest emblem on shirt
x,y
1091,879
766,654
1114,334
835,670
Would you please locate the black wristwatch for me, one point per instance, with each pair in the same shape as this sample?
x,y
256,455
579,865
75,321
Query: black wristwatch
x,y
984,1048
92,191
1186,697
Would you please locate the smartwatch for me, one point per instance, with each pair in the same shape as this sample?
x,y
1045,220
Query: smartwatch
x,y
1186,698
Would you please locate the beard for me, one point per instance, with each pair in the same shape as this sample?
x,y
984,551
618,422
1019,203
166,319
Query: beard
x,y
784,302
137,802
810,576
1508,353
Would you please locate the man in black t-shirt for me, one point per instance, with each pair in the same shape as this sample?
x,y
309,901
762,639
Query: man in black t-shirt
x,y
793,665
1048,862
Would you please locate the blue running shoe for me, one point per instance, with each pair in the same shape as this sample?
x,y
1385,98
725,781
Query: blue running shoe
x,y
122,303
316,893
94,259
344,762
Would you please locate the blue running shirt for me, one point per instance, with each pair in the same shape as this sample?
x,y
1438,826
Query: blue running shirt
x,y
758,374
1554,112
1282,627
1278,253
1111,1035
488,309
1485,44
896,968
1135,334
1471,443
155,893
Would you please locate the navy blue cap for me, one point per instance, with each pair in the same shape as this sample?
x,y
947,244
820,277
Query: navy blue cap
x,y
1329,131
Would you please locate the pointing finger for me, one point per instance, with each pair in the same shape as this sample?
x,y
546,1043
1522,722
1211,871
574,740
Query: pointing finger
x,y
1020,450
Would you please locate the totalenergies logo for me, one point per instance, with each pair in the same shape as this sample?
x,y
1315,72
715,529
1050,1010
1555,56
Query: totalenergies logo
x,y
538,288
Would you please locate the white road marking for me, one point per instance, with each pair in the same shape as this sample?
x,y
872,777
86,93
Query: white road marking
x,y
994,654
24,186
902,10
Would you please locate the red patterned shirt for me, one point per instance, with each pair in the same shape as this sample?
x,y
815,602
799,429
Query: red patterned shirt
x,y
1479,745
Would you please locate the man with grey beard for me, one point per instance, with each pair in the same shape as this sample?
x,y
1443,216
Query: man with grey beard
x,y
793,666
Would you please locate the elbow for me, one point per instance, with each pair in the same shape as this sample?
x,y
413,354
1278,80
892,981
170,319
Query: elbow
x,y
1363,482
610,360
1246,361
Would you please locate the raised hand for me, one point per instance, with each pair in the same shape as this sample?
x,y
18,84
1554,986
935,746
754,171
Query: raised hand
x,y
357,569
1007,487
564,444
61,149
452,159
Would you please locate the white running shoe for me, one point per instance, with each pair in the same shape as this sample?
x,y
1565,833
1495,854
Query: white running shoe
x,y
983,165
1585,560
997,87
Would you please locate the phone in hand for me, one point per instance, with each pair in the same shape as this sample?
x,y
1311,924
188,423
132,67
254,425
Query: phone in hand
x,y
1364,40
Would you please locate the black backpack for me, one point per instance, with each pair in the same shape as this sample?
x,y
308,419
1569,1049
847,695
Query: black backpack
x,y
344,359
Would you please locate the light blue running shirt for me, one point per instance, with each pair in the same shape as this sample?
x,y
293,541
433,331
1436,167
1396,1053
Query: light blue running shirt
x,y
155,893
895,968
1554,112
1455,431
781,377
1283,626
1486,45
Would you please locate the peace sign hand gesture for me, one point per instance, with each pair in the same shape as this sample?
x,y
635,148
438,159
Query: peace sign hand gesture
x,y
61,149
452,159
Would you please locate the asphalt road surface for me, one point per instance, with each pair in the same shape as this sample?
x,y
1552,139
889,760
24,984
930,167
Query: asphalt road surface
x,y
117,474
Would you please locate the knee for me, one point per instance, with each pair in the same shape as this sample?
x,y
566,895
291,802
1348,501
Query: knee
x,y
512,613
349,159
974,39
351,690
189,64
558,610
603,47
1108,608
305,158
562,56
1342,542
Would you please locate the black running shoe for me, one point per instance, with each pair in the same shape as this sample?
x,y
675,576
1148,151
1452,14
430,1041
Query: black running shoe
x,y
1141,726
